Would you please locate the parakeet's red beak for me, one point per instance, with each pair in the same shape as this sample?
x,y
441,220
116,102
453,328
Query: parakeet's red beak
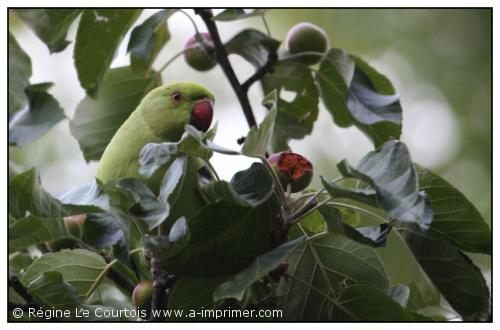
x,y
202,114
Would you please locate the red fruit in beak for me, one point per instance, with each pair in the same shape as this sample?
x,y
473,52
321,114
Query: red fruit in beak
x,y
202,114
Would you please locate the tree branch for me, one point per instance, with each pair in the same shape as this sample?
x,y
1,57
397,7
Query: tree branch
x,y
222,59
261,72
21,290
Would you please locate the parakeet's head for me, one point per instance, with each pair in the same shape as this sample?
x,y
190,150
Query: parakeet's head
x,y
167,109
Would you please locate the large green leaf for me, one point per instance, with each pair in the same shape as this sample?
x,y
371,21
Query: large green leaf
x,y
326,262
50,290
147,39
455,218
96,120
26,194
253,45
19,75
453,273
390,172
233,14
258,269
295,118
258,139
99,34
355,93
365,303
224,239
79,268
50,25
42,113
33,230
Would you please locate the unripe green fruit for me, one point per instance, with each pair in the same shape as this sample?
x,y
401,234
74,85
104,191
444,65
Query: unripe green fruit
x,y
200,56
306,37
141,297
292,169
74,225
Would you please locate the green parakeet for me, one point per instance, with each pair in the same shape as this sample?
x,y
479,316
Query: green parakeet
x,y
160,117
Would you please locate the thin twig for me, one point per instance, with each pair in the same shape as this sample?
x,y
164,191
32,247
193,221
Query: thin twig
x,y
223,60
266,26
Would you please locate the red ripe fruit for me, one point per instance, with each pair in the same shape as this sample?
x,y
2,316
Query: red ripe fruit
x,y
293,169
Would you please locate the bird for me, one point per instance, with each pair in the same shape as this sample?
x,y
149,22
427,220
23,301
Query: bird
x,y
161,116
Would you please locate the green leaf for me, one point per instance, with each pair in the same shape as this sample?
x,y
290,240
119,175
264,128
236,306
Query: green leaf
x,y
253,45
193,142
258,139
364,195
233,14
193,294
99,34
79,268
451,271
254,184
225,238
165,247
50,290
147,39
18,263
185,200
19,75
249,187
50,25
38,118
455,218
326,262
334,78
295,118
390,172
26,194
143,203
33,230
355,93
375,236
96,120
400,293
102,230
366,303
258,269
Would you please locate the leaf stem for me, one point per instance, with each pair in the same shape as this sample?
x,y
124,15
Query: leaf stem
x,y
360,210
277,183
191,19
103,273
266,26
212,169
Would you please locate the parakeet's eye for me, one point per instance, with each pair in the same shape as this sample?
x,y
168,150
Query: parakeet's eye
x,y
176,97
